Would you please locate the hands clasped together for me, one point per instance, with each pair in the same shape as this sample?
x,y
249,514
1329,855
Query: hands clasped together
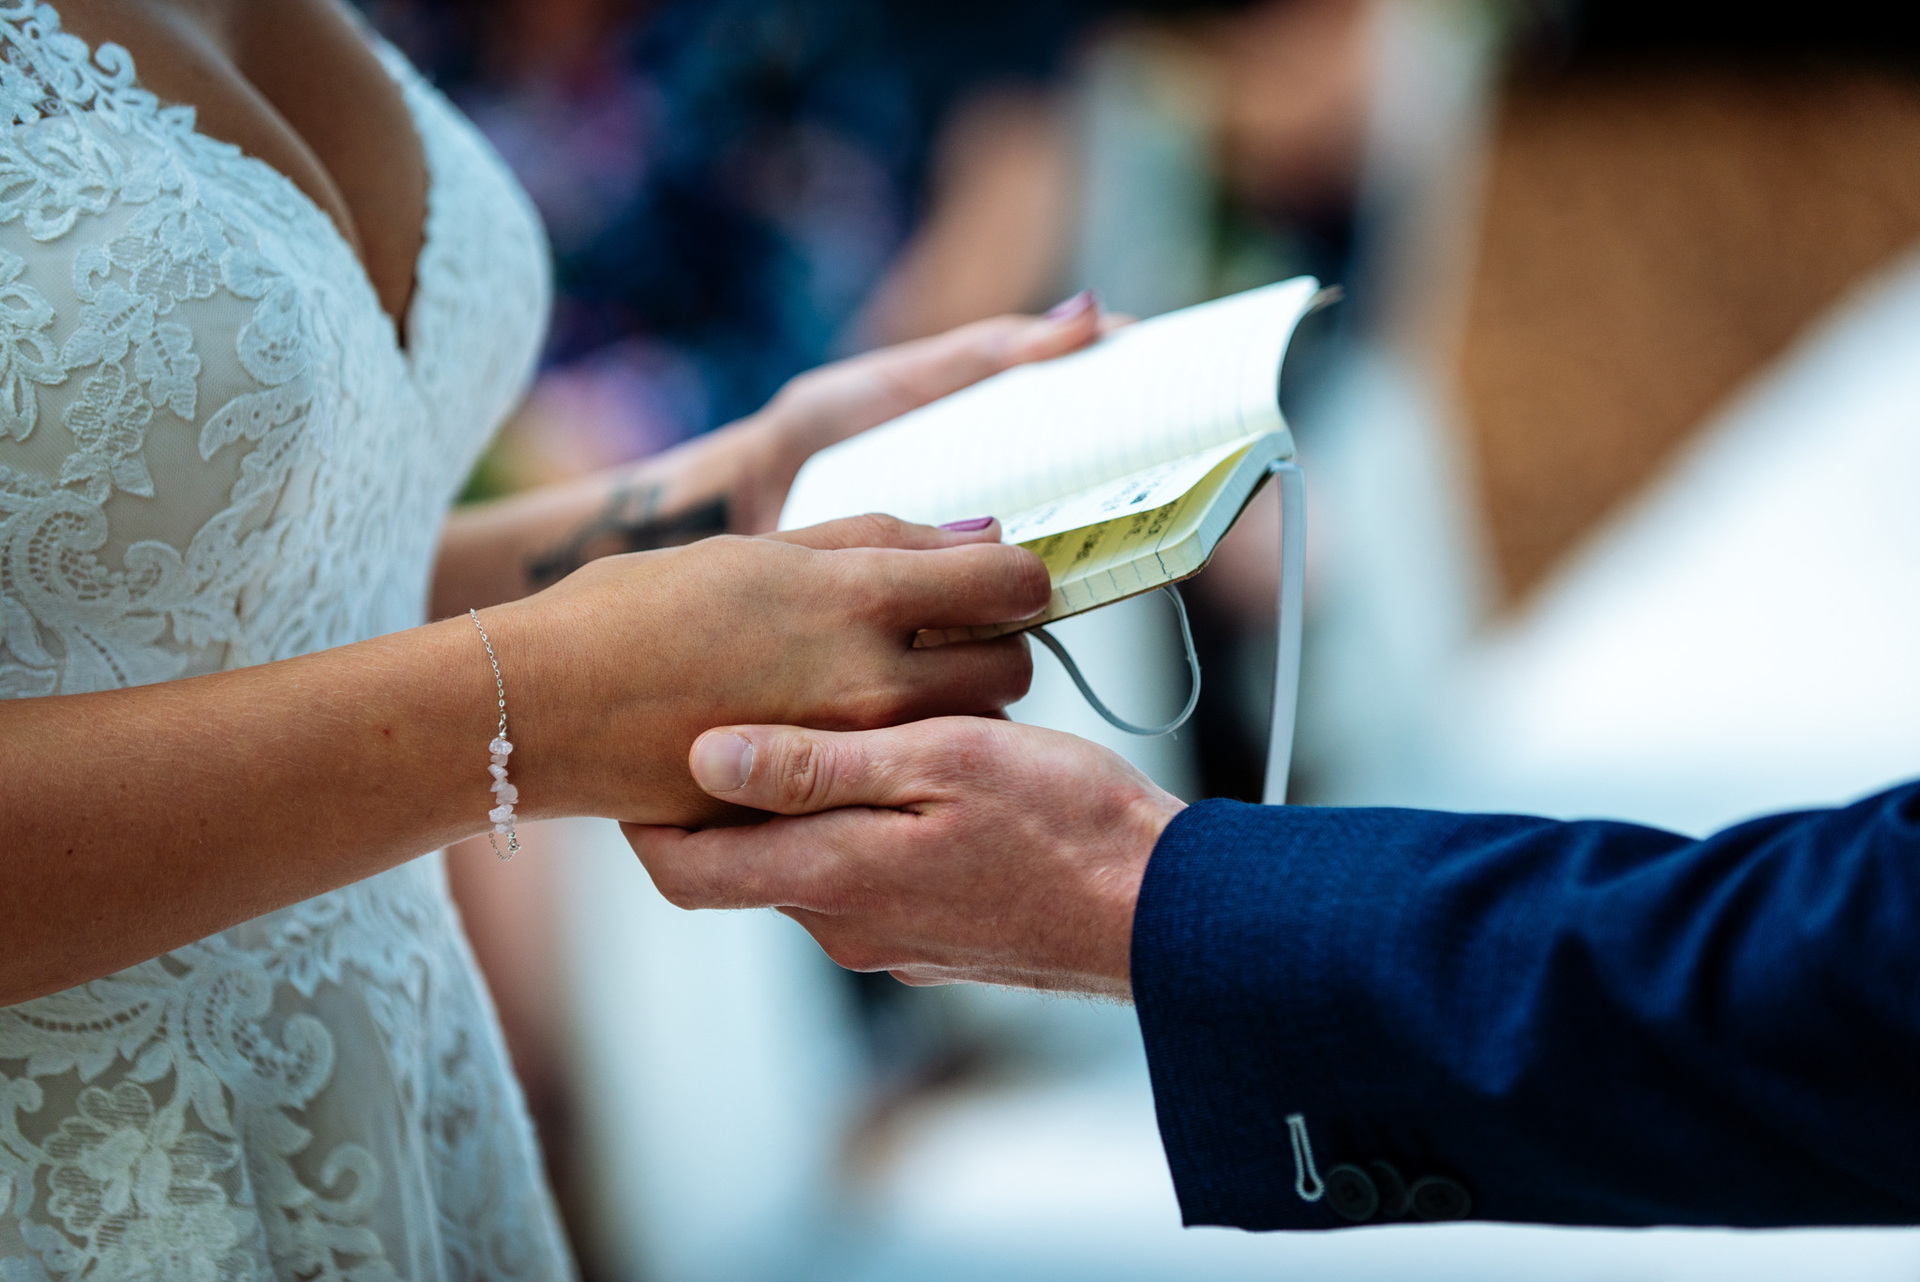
x,y
357,758
939,847
630,658
953,849
943,849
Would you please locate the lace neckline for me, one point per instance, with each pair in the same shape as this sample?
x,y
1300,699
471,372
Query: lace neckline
x,y
105,78
212,456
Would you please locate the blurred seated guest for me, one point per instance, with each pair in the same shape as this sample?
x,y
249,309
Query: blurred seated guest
x,y
1359,1015
723,183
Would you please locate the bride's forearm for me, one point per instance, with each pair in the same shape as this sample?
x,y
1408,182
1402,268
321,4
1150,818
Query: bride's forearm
x,y
503,550
140,820
733,480
135,821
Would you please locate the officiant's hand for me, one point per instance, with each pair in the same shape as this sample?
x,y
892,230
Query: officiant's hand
x,y
946,850
614,671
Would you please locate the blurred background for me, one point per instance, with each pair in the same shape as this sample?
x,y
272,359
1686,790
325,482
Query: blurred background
x,y
1610,453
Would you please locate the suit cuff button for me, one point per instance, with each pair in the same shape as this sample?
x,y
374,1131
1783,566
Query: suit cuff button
x,y
1438,1198
1351,1194
1394,1201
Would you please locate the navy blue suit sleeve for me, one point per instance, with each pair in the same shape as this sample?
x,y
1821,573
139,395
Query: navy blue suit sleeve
x,y
1579,1023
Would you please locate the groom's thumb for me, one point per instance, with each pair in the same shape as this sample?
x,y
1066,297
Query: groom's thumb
x,y
792,771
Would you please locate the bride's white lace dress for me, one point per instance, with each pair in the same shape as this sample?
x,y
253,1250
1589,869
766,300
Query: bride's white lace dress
x,y
215,451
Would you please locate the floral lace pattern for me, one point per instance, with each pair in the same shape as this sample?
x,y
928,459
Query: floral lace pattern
x,y
215,451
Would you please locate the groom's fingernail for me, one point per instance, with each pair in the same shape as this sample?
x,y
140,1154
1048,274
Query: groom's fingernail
x,y
1071,308
969,525
722,761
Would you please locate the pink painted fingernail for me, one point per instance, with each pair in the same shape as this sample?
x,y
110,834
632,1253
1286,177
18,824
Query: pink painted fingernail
x,y
969,525
722,762
1072,308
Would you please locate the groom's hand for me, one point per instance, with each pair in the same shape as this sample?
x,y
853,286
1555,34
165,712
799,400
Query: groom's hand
x,y
945,850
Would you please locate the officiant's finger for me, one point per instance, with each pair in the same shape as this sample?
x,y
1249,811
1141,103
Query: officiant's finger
x,y
878,530
948,587
794,771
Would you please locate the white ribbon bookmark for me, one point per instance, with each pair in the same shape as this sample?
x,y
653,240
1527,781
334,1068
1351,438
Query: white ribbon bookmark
x,y
1113,719
1286,659
1286,665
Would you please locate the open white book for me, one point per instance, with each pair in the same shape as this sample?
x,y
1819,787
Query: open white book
x,y
1122,465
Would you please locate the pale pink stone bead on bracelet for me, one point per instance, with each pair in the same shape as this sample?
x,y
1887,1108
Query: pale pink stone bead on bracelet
x,y
501,748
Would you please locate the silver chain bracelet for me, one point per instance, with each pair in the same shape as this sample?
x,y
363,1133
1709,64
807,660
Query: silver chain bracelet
x,y
500,748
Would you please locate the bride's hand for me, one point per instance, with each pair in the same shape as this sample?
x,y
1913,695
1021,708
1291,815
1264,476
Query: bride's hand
x,y
135,817
833,402
613,672
734,479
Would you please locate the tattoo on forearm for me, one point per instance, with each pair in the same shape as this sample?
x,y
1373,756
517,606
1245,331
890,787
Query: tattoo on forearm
x,y
631,521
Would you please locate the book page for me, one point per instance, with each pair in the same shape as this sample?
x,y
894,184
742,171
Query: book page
x,y
1150,547
1122,542
1150,488
1149,394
